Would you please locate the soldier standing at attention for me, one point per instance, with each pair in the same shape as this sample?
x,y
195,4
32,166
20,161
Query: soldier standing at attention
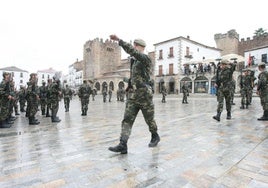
x,y
5,98
83,94
140,94
67,96
224,86
43,97
32,97
22,99
55,93
262,90
245,86
49,84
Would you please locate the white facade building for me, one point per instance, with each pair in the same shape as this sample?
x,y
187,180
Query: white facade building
x,y
173,57
75,74
256,55
20,77
44,75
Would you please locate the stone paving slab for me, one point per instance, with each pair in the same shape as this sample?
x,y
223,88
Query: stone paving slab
x,y
194,151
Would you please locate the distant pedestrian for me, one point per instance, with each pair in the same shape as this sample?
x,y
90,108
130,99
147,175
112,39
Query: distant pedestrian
x,y
185,93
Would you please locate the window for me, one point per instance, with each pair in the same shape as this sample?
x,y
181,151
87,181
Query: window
x,y
171,52
43,76
187,51
160,54
170,69
160,70
21,81
21,74
110,49
264,58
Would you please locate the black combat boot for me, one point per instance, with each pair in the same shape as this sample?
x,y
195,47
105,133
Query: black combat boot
x,y
48,115
121,147
228,115
154,140
218,116
55,119
4,124
33,121
264,117
242,107
83,112
43,112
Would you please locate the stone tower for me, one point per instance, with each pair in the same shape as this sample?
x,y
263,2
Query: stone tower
x,y
228,42
100,57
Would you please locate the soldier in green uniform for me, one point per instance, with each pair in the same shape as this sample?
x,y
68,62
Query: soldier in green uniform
x,y
5,98
49,84
232,92
67,97
164,93
84,93
245,85
55,94
43,97
185,93
224,86
140,96
22,99
262,90
32,97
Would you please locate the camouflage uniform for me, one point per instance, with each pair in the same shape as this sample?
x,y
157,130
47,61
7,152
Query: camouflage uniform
x,y
185,93
104,93
164,94
224,87
110,94
67,96
22,98
49,84
5,98
245,90
43,98
83,93
232,92
262,90
54,97
140,95
32,97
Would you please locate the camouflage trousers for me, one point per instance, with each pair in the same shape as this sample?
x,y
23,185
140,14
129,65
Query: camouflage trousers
x,y
43,103
245,96
264,98
66,102
84,103
4,109
224,93
141,99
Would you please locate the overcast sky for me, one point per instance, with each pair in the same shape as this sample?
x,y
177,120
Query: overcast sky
x,y
39,34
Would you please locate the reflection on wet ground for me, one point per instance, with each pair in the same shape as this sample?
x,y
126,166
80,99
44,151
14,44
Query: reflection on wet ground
x,y
195,150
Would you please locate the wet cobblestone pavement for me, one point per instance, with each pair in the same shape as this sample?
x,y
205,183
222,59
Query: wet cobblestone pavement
x,y
194,151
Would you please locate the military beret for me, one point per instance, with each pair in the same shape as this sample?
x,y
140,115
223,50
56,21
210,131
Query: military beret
x,y
140,42
261,63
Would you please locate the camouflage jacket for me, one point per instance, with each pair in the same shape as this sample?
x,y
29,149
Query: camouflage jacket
x,y
225,76
140,66
84,91
263,81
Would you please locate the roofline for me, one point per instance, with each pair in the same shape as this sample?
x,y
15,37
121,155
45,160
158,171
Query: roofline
x,y
260,47
187,39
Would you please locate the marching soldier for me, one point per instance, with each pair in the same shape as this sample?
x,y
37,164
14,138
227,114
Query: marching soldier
x,y
83,93
185,93
49,84
22,98
140,94
245,86
67,96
